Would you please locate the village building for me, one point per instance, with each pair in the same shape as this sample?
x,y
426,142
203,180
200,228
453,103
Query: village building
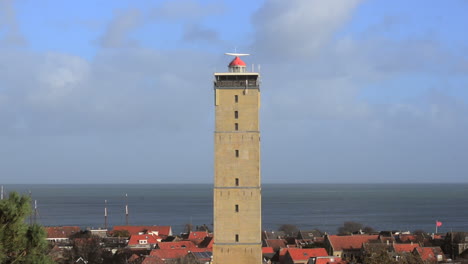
x,y
146,241
326,260
61,234
302,255
197,236
347,247
276,244
430,254
176,245
161,231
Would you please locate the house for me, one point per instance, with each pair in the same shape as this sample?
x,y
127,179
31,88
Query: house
x,y
162,231
456,243
197,237
309,235
407,238
430,254
404,248
207,242
268,253
177,245
61,234
173,254
146,241
326,260
278,258
204,257
152,260
99,232
273,235
347,246
302,255
276,244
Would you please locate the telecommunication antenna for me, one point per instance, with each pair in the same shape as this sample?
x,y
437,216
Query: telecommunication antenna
x,y
35,212
105,214
126,209
1,194
31,213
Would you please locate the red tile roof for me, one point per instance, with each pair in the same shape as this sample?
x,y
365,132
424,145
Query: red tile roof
x,y
175,253
61,231
163,231
430,253
275,243
267,250
340,243
153,260
399,248
306,253
407,238
150,239
133,257
197,237
281,253
329,260
207,243
176,245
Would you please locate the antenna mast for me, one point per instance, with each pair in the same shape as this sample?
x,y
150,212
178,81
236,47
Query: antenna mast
x,y
1,194
126,209
31,213
35,212
105,214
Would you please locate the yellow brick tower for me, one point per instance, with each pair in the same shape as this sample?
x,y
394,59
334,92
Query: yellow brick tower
x,y
237,189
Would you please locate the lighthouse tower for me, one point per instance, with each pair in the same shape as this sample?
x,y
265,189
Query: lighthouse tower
x,y
237,188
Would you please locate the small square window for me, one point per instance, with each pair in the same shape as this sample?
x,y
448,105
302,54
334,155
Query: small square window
x,y
237,181
237,153
236,98
236,126
236,114
237,238
237,208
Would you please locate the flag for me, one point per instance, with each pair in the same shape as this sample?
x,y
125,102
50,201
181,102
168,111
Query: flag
x,y
438,223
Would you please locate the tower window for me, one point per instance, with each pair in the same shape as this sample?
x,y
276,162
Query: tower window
x,y
236,98
237,208
236,114
236,126
237,153
237,181
237,238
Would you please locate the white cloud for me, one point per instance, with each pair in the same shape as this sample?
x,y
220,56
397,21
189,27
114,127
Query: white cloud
x,y
185,10
57,76
8,22
291,30
117,31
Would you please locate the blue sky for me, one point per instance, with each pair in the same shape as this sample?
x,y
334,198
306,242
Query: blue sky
x,y
120,91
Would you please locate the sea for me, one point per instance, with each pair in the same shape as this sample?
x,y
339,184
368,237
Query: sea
x,y
403,207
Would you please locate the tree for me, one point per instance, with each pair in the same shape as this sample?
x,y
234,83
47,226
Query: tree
x,y
289,229
353,227
86,246
377,254
121,233
19,242
368,230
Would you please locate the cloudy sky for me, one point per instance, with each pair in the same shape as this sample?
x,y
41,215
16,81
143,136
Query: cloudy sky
x,y
121,91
